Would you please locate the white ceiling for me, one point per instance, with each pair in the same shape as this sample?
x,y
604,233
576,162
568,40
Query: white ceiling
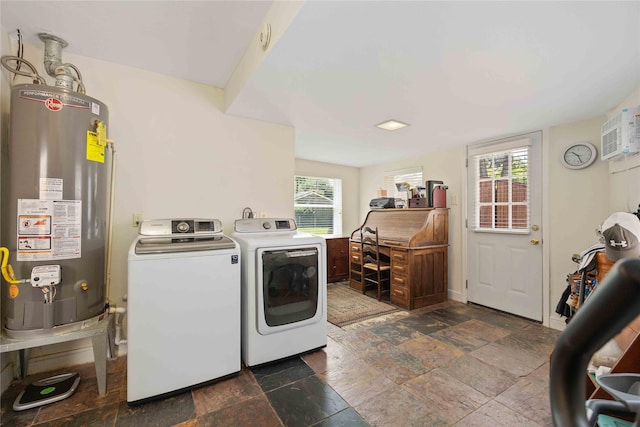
x,y
458,72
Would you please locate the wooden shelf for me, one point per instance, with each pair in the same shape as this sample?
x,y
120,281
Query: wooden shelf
x,y
629,362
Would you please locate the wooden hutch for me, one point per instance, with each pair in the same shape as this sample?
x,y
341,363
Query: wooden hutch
x,y
416,242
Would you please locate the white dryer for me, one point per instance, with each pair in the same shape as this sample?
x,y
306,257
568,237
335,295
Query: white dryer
x,y
284,289
183,307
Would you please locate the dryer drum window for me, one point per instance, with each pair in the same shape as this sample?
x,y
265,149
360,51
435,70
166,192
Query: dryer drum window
x,y
290,287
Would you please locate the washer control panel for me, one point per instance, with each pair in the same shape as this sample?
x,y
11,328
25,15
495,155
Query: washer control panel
x,y
168,227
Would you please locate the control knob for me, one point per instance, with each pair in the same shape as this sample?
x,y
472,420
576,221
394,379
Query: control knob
x,y
182,227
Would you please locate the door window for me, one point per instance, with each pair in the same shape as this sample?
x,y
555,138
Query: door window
x,y
290,285
501,201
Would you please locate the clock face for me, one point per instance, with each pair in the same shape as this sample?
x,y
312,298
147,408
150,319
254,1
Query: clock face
x,y
579,156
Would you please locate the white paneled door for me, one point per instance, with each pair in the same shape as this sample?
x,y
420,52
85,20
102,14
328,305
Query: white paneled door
x,y
504,230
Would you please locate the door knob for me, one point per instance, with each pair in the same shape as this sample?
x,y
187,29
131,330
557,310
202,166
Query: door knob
x,y
535,241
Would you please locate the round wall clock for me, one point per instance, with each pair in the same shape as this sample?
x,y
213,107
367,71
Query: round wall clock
x,y
579,155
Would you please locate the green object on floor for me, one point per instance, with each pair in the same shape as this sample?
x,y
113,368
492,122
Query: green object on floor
x,y
47,391
607,421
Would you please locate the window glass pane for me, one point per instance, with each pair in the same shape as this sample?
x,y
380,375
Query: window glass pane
x,y
502,216
519,192
486,217
318,205
502,191
520,219
485,168
501,165
520,165
486,191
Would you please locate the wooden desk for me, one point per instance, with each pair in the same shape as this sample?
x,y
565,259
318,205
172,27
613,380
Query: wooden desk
x,y
416,242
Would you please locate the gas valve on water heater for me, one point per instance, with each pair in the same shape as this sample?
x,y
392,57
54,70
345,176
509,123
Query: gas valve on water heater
x,y
45,275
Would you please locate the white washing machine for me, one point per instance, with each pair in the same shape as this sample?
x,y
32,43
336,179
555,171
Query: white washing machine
x,y
183,307
284,289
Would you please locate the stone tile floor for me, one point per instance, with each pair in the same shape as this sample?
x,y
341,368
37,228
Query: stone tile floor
x,y
446,365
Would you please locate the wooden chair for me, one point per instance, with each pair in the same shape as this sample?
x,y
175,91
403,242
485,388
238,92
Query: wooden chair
x,y
376,268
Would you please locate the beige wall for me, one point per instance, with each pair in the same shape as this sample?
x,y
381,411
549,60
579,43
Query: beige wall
x,y
350,177
577,204
178,155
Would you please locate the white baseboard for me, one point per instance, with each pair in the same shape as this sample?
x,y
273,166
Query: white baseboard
x,y
48,362
121,349
456,296
557,322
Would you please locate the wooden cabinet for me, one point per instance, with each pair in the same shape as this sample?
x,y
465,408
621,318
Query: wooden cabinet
x,y
416,242
337,259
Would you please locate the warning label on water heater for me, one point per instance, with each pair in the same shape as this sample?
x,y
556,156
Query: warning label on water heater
x,y
49,229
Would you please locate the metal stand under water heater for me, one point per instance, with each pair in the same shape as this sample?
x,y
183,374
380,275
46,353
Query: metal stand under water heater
x,y
55,199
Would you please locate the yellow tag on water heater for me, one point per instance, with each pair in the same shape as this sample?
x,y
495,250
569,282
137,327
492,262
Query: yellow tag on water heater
x,y
95,151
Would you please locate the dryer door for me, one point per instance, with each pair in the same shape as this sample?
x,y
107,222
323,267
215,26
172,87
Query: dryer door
x,y
290,288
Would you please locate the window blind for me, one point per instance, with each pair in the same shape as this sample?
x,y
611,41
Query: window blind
x,y
411,176
318,205
501,190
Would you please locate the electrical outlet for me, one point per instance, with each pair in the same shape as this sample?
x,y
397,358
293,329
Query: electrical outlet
x,y
137,219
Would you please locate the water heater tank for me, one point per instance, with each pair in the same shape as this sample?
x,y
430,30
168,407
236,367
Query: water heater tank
x,y
54,206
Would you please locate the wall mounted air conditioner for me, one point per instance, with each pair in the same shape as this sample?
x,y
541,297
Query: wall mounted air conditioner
x,y
621,134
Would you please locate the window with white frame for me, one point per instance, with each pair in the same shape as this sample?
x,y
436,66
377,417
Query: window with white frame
x,y
501,193
318,205
410,177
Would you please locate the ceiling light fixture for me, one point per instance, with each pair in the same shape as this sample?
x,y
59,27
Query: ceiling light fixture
x,y
391,125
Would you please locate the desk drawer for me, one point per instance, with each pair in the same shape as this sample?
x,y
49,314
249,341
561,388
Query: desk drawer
x,y
354,247
399,257
399,295
399,262
399,268
399,280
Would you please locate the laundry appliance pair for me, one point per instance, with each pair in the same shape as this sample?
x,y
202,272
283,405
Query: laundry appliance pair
x,y
199,302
